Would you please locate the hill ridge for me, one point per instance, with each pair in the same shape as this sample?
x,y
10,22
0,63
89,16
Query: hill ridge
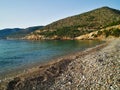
x,y
73,26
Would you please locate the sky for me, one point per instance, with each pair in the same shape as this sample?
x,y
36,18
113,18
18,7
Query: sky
x,y
27,13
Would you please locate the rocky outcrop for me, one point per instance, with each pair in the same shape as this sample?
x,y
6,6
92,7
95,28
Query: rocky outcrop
x,y
42,37
33,37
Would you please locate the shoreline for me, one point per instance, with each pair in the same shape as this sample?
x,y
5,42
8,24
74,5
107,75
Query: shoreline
x,y
19,70
42,68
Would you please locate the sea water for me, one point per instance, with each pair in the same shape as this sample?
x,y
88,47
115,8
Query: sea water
x,y
16,54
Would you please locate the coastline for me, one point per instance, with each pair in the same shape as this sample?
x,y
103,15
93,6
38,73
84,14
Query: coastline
x,y
44,66
53,74
16,71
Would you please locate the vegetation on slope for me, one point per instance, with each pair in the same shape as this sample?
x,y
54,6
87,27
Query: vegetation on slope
x,y
94,19
71,32
112,32
103,34
81,24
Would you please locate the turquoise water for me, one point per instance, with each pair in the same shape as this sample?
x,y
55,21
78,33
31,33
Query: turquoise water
x,y
17,54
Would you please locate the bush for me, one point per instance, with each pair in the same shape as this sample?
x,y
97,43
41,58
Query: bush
x,y
99,33
116,32
65,32
113,32
107,33
94,35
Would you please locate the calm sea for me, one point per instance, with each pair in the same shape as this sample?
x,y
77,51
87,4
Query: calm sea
x,y
17,54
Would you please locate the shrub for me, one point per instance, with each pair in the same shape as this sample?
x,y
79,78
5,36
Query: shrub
x,y
99,33
116,32
94,35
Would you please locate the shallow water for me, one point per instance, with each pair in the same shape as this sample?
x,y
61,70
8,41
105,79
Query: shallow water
x,y
17,54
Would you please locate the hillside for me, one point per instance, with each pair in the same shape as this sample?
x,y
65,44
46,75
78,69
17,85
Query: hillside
x,y
74,26
94,19
17,32
110,32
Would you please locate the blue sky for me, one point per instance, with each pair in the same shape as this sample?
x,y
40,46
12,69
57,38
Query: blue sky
x,y
26,13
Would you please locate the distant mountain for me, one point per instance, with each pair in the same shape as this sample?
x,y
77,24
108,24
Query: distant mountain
x,y
77,25
17,32
5,32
